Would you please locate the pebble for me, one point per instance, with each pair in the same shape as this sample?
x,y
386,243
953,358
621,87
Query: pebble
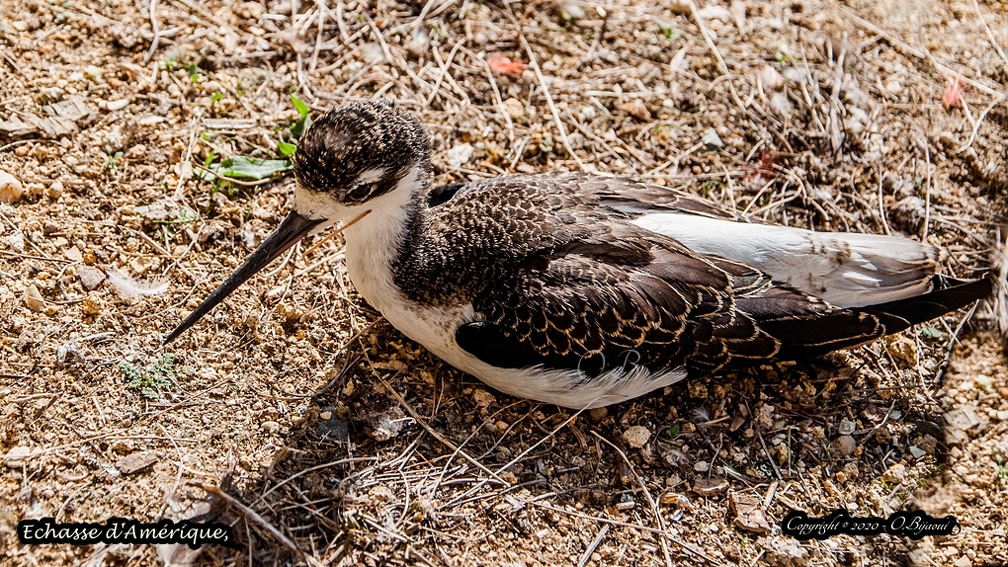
x,y
90,277
33,299
55,189
701,466
895,474
16,457
710,486
483,398
715,13
846,427
459,155
514,108
270,427
598,414
114,105
10,188
636,436
845,445
711,140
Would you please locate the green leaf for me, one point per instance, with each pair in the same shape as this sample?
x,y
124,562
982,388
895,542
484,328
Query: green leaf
x,y
300,106
667,29
673,431
932,333
240,167
285,149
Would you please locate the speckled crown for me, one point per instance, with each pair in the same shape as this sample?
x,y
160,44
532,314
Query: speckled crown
x,y
359,137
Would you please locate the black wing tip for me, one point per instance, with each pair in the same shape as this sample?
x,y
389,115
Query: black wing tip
x,y
947,295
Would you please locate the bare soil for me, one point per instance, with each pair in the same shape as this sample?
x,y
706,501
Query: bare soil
x,y
297,415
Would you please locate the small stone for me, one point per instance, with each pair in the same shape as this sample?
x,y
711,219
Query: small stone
x,y
55,189
637,436
114,105
33,299
846,427
902,349
710,486
73,254
716,13
93,72
845,445
736,423
270,427
514,108
711,140
748,511
136,462
701,466
141,264
483,398
637,109
598,414
90,277
917,452
11,188
16,457
895,474
459,155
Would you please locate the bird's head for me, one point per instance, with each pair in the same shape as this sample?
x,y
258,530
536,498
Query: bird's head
x,y
347,162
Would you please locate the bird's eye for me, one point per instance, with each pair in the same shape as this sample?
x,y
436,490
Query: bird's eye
x,y
360,192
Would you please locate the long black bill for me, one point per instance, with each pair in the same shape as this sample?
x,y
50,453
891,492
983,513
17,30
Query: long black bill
x,y
291,230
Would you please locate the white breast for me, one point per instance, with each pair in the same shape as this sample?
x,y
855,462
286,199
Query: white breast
x,y
371,246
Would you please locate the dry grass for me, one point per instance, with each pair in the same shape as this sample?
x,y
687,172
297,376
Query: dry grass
x,y
324,437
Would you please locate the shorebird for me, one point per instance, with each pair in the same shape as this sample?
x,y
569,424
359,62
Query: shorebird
x,y
580,290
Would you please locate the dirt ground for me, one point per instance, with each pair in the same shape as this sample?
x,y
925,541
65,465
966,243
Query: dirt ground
x,y
297,415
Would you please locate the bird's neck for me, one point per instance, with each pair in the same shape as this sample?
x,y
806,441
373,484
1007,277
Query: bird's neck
x,y
375,242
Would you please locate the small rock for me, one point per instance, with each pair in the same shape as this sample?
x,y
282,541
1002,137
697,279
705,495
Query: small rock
x,y
962,423
16,241
16,457
114,105
33,299
710,486
598,414
736,423
483,398
572,12
903,350
637,109
917,452
786,553
636,436
136,462
845,445
90,277
270,427
10,188
73,254
715,13
514,108
748,511
895,474
846,427
711,140
55,189
625,505
701,466
459,155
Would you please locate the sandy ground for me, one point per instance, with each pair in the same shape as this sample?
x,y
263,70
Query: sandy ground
x,y
297,415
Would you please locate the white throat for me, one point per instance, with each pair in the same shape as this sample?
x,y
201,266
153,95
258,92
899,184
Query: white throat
x,y
373,242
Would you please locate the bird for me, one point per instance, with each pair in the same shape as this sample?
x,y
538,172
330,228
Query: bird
x,y
582,290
